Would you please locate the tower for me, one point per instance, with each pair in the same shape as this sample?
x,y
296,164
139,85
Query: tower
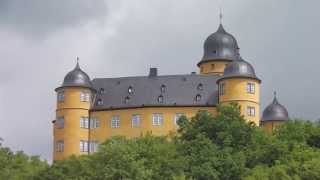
x,y
239,84
71,127
220,48
274,115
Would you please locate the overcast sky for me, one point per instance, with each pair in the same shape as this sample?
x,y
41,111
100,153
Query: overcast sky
x,y
40,40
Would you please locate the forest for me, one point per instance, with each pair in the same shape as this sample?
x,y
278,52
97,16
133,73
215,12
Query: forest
x,y
205,147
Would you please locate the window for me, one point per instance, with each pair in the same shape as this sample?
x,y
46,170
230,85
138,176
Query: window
x,y
251,111
200,87
157,119
130,90
221,89
94,146
83,146
212,66
135,120
84,96
160,99
198,97
60,146
59,123
250,88
94,123
99,102
163,88
60,96
177,117
115,122
126,100
101,91
84,122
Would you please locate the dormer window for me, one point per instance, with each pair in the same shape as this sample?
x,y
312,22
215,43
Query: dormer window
x,y
198,97
130,90
200,87
163,88
99,102
126,100
214,51
160,99
101,91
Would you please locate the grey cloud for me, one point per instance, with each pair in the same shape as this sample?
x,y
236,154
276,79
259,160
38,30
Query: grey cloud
x,y
37,18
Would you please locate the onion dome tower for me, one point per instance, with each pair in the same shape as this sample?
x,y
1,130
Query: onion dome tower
x,y
71,126
239,84
220,48
274,115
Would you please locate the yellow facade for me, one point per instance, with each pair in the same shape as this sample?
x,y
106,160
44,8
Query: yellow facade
x,y
269,126
235,90
71,109
213,67
146,126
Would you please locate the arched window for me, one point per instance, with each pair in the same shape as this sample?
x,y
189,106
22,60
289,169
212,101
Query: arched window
x,y
198,97
160,99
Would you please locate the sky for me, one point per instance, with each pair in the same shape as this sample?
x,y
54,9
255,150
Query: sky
x,y
40,40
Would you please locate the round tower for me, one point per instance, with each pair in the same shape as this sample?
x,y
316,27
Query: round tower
x,y
71,127
220,48
274,115
239,84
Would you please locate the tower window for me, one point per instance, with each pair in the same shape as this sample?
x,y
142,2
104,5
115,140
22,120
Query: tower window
x,y
160,99
251,88
198,97
177,117
157,119
163,88
94,123
130,90
84,146
60,96
221,89
200,87
84,122
99,102
84,96
212,66
60,146
59,123
135,122
251,111
115,122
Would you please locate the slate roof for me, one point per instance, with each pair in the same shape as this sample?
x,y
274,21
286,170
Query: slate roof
x,y
179,90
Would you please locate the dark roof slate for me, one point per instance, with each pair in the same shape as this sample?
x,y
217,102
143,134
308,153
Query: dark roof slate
x,y
180,90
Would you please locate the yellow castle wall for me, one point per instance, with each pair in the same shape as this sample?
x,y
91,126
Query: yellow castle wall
x,y
213,67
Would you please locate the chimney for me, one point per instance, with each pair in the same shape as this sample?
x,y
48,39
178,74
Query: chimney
x,y
153,72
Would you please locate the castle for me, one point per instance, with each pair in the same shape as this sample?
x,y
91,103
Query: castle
x,y
91,111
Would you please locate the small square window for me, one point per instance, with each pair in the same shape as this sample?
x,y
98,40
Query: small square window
x,y
251,111
157,119
115,122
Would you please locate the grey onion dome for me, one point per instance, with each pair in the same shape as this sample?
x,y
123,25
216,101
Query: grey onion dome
x,y
275,112
239,68
77,78
220,46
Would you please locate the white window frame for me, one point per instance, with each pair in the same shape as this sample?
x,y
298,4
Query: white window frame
x,y
177,117
94,122
251,111
59,146
60,96
115,121
135,120
222,89
157,119
93,146
84,122
85,96
250,87
83,146
60,122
